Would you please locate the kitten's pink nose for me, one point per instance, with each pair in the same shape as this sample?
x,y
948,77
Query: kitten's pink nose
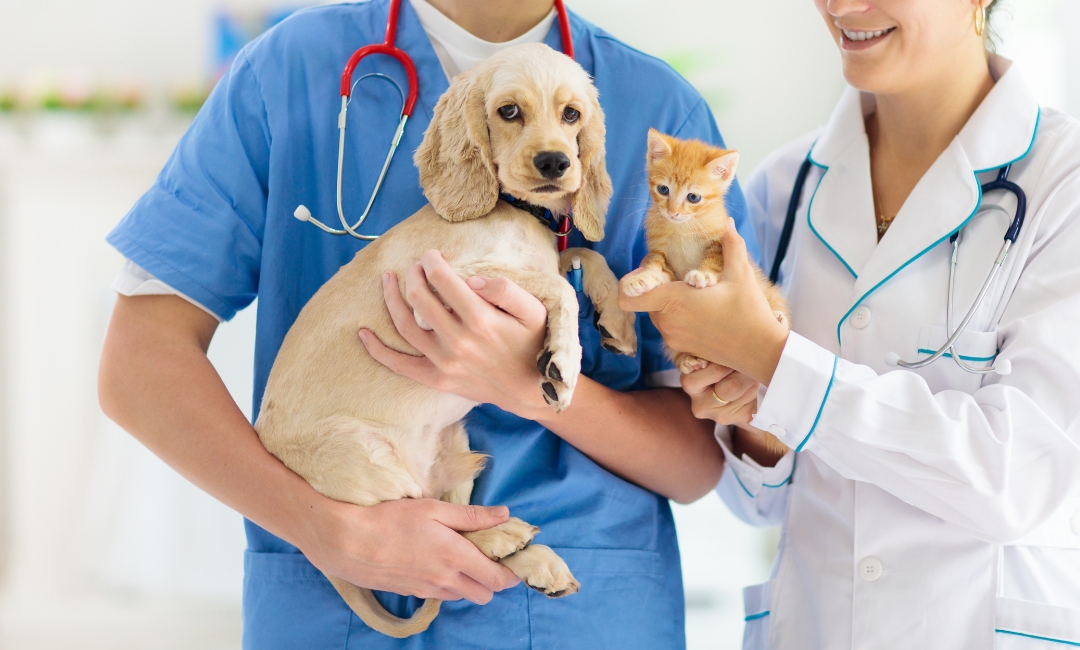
x,y
673,215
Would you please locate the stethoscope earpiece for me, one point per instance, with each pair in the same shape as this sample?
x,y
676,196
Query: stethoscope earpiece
x,y
302,213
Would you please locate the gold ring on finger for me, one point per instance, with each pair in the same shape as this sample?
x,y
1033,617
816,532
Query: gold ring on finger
x,y
723,402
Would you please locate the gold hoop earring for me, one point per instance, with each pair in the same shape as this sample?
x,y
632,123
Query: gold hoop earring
x,y
980,20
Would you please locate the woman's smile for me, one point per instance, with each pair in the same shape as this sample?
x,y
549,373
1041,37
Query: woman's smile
x,y
851,39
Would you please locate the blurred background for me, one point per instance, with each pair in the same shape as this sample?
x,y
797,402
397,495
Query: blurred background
x,y
102,545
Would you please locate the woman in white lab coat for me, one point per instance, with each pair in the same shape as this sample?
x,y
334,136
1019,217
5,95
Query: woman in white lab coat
x,y
930,508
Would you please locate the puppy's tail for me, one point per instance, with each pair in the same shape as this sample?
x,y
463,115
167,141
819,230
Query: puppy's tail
x,y
363,602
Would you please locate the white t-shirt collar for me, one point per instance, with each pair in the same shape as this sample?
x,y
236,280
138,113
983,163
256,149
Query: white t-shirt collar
x,y
457,49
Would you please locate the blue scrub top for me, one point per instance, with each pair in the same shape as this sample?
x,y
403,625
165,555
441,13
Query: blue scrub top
x,y
217,225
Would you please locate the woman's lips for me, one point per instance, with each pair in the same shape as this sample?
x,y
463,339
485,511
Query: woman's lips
x,y
851,39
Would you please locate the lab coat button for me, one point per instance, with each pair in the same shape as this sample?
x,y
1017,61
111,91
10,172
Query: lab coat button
x,y
860,318
870,569
777,430
1075,523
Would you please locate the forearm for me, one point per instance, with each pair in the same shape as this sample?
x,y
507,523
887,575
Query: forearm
x,y
647,437
762,446
159,385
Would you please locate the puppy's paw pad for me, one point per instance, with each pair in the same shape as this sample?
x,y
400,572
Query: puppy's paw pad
x,y
701,279
617,333
547,367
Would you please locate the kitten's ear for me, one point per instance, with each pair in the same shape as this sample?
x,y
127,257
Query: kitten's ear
x,y
658,147
723,168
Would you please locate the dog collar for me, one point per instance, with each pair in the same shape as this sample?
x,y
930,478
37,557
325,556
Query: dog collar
x,y
561,226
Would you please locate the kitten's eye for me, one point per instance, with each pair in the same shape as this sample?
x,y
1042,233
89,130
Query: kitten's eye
x,y
693,198
570,114
662,190
509,112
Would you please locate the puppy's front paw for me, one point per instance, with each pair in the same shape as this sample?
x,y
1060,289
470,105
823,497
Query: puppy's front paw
x,y
701,279
503,540
617,333
540,568
640,281
559,367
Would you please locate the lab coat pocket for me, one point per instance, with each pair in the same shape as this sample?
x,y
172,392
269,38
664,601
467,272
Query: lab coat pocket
x,y
1027,625
756,609
976,349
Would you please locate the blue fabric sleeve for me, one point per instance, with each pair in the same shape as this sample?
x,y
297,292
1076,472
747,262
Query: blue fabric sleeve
x,y
199,227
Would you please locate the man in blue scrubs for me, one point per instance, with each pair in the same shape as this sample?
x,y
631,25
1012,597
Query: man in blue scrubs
x,y
217,229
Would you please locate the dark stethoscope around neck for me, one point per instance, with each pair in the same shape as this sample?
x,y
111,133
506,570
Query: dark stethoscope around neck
x,y
1001,183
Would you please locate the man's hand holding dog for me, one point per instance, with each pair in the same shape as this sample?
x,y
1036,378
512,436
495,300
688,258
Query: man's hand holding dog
x,y
483,348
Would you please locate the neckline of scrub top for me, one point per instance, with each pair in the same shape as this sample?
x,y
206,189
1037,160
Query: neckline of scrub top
x,y
841,211
415,42
460,50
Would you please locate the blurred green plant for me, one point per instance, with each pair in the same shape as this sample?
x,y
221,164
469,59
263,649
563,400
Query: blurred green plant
x,y
700,67
189,100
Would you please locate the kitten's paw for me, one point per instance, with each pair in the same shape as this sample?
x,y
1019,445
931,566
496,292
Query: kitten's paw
x,y
689,364
539,567
639,282
616,329
503,540
702,279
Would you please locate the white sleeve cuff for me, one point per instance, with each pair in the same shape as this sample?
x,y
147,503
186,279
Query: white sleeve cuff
x,y
795,398
663,379
134,280
751,476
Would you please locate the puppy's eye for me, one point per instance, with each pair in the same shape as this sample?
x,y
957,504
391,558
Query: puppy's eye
x,y
509,112
693,198
662,190
570,114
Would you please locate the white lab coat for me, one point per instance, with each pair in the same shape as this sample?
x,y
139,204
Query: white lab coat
x,y
928,509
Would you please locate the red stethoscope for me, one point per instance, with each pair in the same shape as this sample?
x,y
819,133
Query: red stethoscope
x,y
388,48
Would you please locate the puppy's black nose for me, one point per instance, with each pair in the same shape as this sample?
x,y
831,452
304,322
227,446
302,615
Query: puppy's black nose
x,y
552,164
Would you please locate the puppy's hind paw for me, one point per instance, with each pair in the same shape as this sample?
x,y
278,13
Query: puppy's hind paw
x,y
540,568
503,540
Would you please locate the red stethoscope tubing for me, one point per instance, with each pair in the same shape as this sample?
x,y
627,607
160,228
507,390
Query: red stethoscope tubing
x,y
388,48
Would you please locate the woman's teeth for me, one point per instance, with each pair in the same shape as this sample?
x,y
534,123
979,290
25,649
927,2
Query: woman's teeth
x,y
865,36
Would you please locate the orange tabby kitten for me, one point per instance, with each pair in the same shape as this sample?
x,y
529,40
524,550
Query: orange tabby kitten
x,y
686,220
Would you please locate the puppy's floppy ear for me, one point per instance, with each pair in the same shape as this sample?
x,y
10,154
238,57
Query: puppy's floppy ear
x,y
592,198
454,159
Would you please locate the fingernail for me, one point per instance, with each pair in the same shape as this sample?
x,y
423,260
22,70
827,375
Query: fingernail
x,y
499,511
364,334
477,282
386,278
